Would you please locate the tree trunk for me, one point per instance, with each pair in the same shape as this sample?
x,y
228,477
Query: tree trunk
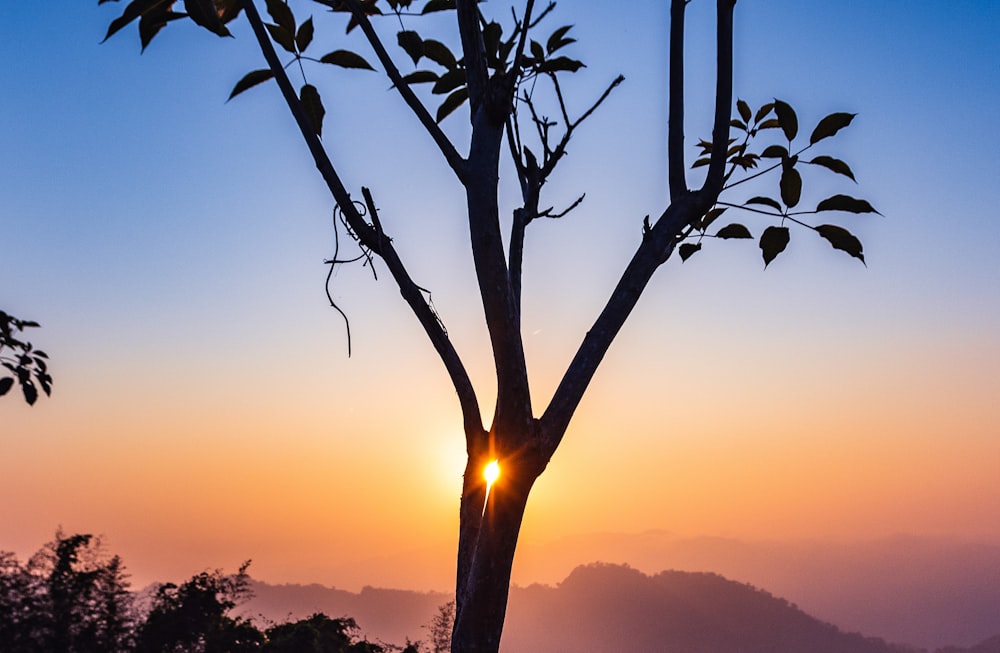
x,y
487,540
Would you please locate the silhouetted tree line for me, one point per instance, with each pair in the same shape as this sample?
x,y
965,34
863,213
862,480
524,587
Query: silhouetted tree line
x,y
71,597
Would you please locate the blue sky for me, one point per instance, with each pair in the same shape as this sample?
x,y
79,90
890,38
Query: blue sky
x,y
171,245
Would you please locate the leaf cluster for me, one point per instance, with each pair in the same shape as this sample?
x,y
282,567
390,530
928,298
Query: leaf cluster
x,y
28,366
746,157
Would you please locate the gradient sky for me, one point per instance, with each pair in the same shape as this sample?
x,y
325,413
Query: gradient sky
x,y
205,410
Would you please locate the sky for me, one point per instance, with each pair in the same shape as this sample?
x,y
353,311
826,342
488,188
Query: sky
x,y
205,410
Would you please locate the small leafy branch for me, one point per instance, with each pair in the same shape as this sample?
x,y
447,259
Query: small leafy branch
x,y
742,158
28,365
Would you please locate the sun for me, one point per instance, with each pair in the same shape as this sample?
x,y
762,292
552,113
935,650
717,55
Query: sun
x,y
491,473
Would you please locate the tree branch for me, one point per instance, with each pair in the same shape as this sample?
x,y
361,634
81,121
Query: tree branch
x,y
473,50
653,251
448,150
370,237
676,175
723,103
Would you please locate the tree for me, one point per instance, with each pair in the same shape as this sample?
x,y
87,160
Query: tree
x,y
194,617
317,634
69,598
510,75
440,627
19,357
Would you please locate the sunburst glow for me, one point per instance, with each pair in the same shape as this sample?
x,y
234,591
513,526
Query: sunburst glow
x,y
491,473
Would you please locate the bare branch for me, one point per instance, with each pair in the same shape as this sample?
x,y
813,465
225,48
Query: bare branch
x,y
723,102
676,175
654,249
525,26
604,96
547,213
433,327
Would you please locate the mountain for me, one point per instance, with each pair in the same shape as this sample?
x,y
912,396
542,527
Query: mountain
x,y
598,608
927,592
605,608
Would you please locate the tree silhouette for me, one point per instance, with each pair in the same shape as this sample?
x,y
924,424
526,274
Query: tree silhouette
x,y
70,598
509,73
194,616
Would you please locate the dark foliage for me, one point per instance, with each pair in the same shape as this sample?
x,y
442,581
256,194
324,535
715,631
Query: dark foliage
x,y
28,366
71,597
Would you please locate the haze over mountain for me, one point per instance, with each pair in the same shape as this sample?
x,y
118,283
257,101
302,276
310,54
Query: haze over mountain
x,y
603,608
923,591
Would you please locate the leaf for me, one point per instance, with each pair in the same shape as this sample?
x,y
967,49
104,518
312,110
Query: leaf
x,y
152,22
560,64
439,53
830,125
790,185
835,165
491,41
452,102
281,36
710,217
744,110
687,250
420,77
204,13
766,201
5,385
558,39
305,35
536,51
701,162
313,105
30,393
786,119
449,81
346,59
773,242
738,124
770,123
412,44
134,10
763,111
734,230
775,152
438,5
842,239
228,9
845,203
282,15
250,80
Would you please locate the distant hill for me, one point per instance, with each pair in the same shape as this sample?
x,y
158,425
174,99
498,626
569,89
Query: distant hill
x,y
605,608
924,591
601,608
